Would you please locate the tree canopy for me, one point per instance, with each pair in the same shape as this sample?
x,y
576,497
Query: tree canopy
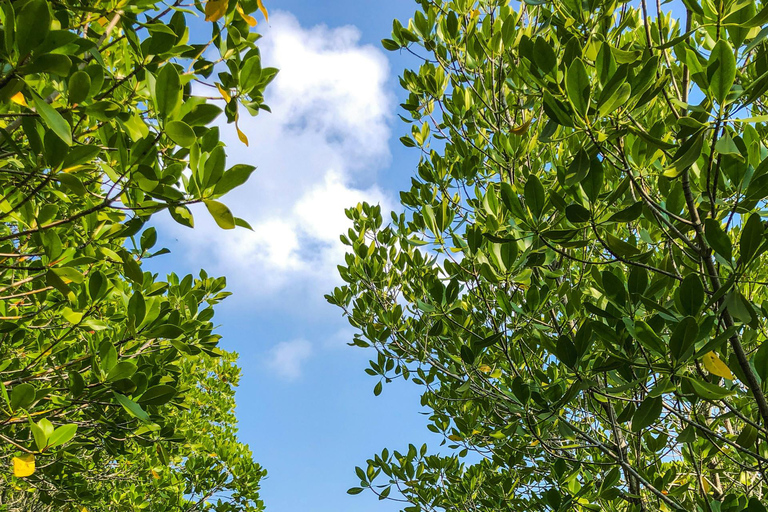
x,y
113,392
578,281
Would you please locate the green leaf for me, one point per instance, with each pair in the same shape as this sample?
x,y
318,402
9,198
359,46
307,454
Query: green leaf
x,y
48,63
467,355
132,269
214,168
167,331
489,340
79,87
52,119
647,414
576,213
220,214
759,18
691,294
751,237
681,342
158,395
706,390
167,90
72,183
566,351
638,280
122,370
182,215
628,214
718,239
620,247
693,6
739,307
648,338
234,177
390,45
61,435
736,23
39,435
202,114
614,287
108,355
593,183
578,87
180,133
556,110
534,195
578,168
611,99
32,26
760,361
686,156
132,407
726,146
721,69
22,396
747,437
546,59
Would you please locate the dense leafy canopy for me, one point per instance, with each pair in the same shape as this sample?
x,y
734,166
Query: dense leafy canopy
x,y
113,393
579,280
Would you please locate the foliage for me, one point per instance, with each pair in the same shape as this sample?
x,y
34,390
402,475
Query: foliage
x,y
579,282
114,395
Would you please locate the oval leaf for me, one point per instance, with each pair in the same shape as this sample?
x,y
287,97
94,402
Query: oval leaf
x,y
716,366
61,435
180,133
722,70
648,412
220,214
24,465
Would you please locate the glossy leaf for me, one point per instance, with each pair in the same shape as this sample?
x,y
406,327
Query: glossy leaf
x,y
53,119
220,214
722,70
578,87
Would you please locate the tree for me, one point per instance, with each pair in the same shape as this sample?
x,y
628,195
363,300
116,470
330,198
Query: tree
x,y
579,279
113,392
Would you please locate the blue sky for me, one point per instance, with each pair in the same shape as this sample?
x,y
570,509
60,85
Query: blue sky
x,y
305,405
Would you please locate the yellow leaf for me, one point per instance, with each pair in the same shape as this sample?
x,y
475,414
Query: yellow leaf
x,y
705,485
454,437
224,93
263,10
484,368
250,20
24,465
241,135
155,475
215,9
18,98
519,130
716,367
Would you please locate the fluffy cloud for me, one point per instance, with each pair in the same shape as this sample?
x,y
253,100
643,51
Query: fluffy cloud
x,y
287,357
317,153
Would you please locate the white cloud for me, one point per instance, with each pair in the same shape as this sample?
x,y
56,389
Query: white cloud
x,y
339,339
287,357
317,153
